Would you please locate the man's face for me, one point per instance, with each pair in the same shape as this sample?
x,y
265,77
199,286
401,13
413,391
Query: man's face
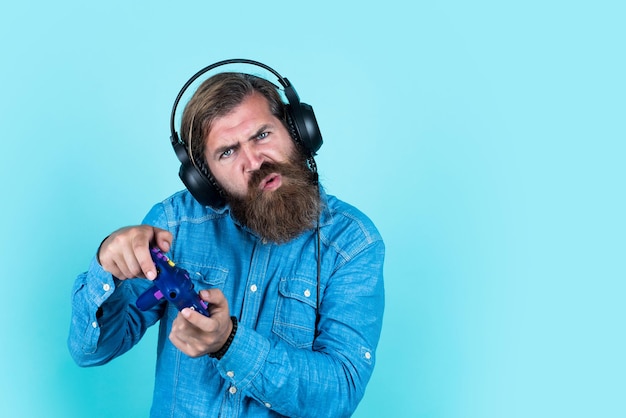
x,y
268,185
242,140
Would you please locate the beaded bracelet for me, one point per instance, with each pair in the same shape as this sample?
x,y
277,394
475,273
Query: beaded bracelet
x,y
220,353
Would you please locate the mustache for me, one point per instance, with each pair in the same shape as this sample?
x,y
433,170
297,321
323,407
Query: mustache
x,y
288,170
263,171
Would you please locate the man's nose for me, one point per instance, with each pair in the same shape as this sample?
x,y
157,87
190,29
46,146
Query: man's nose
x,y
252,159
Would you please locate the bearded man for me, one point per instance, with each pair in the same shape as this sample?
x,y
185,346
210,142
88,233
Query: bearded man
x,y
291,275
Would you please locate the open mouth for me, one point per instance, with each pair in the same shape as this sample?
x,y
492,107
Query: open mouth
x,y
271,182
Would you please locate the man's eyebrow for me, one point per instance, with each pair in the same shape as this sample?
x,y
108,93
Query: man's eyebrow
x,y
262,129
220,150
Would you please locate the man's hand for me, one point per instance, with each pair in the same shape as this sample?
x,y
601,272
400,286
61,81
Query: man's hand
x,y
126,252
195,334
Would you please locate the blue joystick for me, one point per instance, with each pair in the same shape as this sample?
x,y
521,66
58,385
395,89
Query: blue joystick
x,y
173,284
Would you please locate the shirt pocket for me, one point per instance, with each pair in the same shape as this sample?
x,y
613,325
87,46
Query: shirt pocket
x,y
294,319
206,277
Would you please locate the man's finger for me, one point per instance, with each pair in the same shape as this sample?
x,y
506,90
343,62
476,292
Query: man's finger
x,y
163,239
145,262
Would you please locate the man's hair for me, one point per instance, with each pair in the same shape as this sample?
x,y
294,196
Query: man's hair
x,y
218,96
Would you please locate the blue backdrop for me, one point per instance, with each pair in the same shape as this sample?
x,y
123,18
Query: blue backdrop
x,y
484,138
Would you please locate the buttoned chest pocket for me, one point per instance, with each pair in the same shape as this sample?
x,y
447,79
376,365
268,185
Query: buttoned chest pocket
x,y
294,320
208,277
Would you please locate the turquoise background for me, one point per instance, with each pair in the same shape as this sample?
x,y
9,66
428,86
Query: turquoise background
x,y
484,138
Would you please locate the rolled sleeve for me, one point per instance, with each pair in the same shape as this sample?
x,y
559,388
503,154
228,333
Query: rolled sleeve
x,y
245,357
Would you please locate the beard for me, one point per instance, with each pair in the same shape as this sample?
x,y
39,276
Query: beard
x,y
283,214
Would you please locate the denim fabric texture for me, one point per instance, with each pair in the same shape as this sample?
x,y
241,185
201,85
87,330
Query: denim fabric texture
x,y
278,364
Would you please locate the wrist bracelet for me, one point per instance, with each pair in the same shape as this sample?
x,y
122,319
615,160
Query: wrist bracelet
x,y
220,353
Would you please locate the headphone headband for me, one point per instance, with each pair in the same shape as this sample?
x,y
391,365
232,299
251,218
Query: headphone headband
x,y
283,81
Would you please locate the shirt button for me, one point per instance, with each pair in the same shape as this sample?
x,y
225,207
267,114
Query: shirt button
x,y
307,293
230,373
268,405
232,390
106,287
253,288
368,355
94,324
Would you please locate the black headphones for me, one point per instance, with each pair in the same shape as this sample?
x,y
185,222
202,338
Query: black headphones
x,y
197,178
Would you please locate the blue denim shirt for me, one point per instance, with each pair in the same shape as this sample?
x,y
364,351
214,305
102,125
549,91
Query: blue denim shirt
x,y
278,364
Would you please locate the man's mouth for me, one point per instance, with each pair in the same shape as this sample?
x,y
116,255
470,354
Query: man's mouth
x,y
271,182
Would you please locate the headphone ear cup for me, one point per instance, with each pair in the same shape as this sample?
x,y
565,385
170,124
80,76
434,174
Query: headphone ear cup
x,y
200,186
309,122
303,124
197,179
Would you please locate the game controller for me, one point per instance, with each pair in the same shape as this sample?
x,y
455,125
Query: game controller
x,y
173,284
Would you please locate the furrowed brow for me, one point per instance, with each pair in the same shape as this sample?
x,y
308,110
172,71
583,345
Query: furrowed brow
x,y
262,129
221,150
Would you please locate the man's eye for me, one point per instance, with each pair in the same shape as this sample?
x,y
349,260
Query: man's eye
x,y
262,135
227,153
